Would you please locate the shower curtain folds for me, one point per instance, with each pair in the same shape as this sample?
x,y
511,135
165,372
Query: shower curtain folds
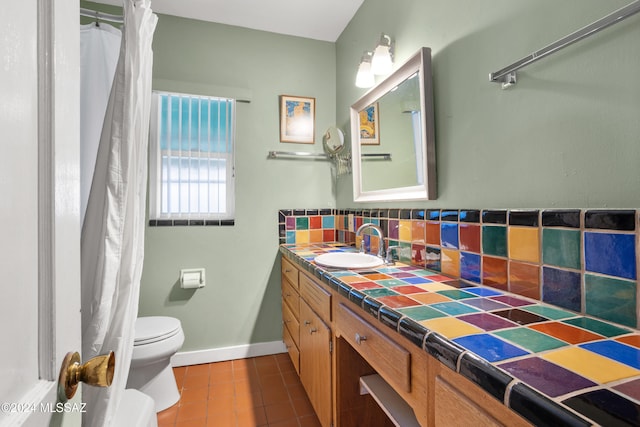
x,y
99,51
113,229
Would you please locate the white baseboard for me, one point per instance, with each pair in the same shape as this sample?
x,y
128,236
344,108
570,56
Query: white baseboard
x,y
185,358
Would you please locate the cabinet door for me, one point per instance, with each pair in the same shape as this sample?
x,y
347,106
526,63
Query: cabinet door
x,y
315,362
457,402
454,409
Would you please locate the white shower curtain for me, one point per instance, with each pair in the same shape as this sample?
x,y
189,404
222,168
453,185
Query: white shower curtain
x,y
99,50
113,229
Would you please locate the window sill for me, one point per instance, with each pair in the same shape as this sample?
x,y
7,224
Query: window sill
x,y
190,222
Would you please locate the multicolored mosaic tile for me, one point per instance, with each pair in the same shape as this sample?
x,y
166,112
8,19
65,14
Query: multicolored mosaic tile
x,y
581,260
553,356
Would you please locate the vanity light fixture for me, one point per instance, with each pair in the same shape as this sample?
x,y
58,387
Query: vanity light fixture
x,y
365,78
382,61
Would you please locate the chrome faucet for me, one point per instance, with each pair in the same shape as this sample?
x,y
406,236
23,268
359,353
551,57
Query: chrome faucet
x,y
378,231
389,258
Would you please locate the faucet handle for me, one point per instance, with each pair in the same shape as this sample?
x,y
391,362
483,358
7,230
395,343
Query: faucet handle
x,y
389,258
362,245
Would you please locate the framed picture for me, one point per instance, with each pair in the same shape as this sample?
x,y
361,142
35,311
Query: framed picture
x,y
297,119
370,125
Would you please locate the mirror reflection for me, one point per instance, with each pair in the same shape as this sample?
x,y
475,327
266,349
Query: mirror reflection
x,y
401,112
396,118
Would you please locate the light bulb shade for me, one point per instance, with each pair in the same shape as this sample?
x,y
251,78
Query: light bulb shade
x,y
365,78
381,63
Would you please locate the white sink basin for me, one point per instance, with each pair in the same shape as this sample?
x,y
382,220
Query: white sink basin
x,y
348,260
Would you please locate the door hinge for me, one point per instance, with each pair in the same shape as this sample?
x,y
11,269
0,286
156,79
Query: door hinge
x,y
330,346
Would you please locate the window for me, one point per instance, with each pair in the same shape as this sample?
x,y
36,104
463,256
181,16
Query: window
x,y
191,158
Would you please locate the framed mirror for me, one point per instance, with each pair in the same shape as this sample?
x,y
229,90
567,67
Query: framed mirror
x,y
393,138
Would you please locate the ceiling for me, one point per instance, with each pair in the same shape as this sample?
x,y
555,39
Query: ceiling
x,y
314,19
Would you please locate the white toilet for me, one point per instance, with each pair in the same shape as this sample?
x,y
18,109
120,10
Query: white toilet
x,y
157,338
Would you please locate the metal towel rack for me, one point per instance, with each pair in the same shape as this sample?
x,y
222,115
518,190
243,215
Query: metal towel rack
x,y
507,75
321,156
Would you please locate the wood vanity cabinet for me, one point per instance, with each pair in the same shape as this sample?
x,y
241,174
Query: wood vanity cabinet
x,y
315,362
306,314
457,402
291,312
365,349
335,346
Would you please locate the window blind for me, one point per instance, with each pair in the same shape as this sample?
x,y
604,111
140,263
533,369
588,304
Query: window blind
x,y
194,162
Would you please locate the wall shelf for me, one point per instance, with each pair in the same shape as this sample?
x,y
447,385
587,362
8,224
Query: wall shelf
x,y
322,156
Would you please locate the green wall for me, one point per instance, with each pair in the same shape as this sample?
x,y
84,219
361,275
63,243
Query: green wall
x,y
241,301
567,135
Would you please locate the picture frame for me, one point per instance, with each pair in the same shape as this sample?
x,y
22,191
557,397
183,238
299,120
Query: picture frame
x,y
370,125
297,119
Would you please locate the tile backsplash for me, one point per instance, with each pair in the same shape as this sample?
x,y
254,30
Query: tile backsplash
x,y
582,260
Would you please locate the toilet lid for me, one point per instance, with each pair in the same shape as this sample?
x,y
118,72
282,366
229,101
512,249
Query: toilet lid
x,y
155,328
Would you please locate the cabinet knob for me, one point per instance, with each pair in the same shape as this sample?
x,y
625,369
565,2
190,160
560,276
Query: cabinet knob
x,y
307,323
287,270
360,338
312,331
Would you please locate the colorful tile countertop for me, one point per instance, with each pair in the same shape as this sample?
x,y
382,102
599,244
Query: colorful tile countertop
x,y
552,366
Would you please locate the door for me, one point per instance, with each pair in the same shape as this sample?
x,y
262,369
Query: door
x,y
315,362
39,219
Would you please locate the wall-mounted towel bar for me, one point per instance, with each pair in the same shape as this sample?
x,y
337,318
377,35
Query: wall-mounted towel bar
x,y
304,154
507,75
321,156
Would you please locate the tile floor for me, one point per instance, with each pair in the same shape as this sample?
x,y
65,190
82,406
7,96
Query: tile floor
x,y
259,391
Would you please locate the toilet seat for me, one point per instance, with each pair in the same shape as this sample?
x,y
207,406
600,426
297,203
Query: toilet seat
x,y
155,328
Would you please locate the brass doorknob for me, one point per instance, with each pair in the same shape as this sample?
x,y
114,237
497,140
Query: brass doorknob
x,y
96,372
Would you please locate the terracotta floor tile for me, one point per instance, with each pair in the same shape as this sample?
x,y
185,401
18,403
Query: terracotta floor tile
x,y
168,415
309,421
279,412
290,377
242,363
267,364
221,376
293,422
221,404
263,391
195,370
220,407
221,419
296,391
221,366
275,395
245,386
197,381
200,422
303,407
246,374
221,389
284,362
194,395
192,411
179,372
271,381
248,401
267,370
252,417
